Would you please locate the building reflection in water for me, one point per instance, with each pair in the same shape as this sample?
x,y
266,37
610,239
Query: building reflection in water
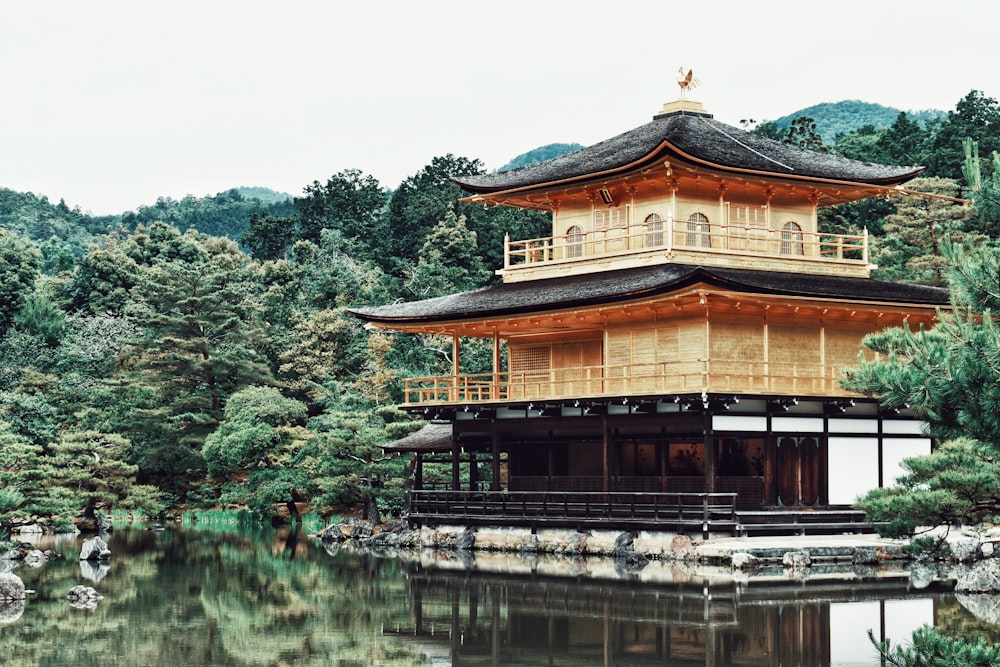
x,y
471,618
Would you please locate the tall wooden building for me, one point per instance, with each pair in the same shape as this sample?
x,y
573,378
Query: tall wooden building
x,y
682,329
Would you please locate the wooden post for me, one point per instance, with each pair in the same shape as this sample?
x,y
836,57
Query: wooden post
x,y
456,453
709,453
606,454
506,250
495,393
454,366
495,484
473,472
418,473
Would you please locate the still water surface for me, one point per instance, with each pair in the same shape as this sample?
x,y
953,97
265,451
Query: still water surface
x,y
188,596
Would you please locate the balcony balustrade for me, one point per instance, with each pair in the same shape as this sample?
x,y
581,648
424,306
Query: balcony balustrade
x,y
712,376
696,242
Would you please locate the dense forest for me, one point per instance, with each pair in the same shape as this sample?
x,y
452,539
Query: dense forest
x,y
197,353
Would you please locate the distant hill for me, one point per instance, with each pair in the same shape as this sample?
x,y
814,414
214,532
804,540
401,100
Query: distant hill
x,y
833,118
263,194
540,154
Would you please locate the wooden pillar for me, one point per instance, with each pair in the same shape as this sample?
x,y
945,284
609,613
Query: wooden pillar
x,y
495,630
709,453
495,445
495,391
456,453
606,455
418,472
455,349
473,472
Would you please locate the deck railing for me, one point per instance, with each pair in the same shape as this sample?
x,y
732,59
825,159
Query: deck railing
x,y
699,238
667,511
713,376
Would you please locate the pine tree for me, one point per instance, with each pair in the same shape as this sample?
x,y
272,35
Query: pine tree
x,y
449,260
931,648
910,249
87,470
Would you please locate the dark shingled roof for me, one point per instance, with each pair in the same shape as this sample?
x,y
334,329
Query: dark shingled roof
x,y
589,289
433,437
705,139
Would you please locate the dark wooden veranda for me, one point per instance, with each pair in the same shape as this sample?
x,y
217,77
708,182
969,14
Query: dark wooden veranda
x,y
681,512
685,513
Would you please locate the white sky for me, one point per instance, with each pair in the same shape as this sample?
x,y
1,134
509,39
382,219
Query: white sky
x,y
112,104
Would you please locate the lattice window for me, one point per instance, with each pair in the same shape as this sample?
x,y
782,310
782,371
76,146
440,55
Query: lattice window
x,y
528,358
654,230
574,242
613,216
791,239
698,231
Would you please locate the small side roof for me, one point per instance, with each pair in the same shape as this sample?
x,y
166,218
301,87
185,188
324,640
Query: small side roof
x,y
433,437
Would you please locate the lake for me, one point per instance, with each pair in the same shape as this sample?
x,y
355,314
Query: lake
x,y
235,595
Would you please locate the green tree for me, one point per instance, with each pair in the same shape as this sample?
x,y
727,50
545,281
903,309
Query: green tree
x,y
87,471
905,142
269,237
255,450
328,344
102,281
958,484
985,190
948,375
39,316
19,262
350,202
448,260
350,467
194,309
910,249
802,132
976,116
416,207
859,144
931,648
20,476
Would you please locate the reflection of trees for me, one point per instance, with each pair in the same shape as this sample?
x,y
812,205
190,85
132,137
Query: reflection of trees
x,y
211,598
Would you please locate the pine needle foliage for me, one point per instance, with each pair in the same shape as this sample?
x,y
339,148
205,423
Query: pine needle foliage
x,y
931,648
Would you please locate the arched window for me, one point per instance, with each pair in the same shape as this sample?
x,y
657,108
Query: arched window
x,y
574,242
698,231
791,239
654,230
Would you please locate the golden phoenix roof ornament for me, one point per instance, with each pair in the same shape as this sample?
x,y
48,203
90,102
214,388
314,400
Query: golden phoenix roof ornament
x,y
686,81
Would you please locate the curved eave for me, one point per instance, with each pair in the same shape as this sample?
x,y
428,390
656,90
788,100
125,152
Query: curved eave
x,y
679,159
764,283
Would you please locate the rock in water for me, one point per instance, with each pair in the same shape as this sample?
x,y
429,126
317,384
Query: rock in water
x,y
104,524
984,607
11,587
95,549
982,578
83,597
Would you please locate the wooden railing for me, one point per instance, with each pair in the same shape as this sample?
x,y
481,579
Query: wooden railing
x,y
704,512
741,239
714,376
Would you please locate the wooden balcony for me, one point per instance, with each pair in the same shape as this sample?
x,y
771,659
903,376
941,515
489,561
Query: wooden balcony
x,y
735,245
715,376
